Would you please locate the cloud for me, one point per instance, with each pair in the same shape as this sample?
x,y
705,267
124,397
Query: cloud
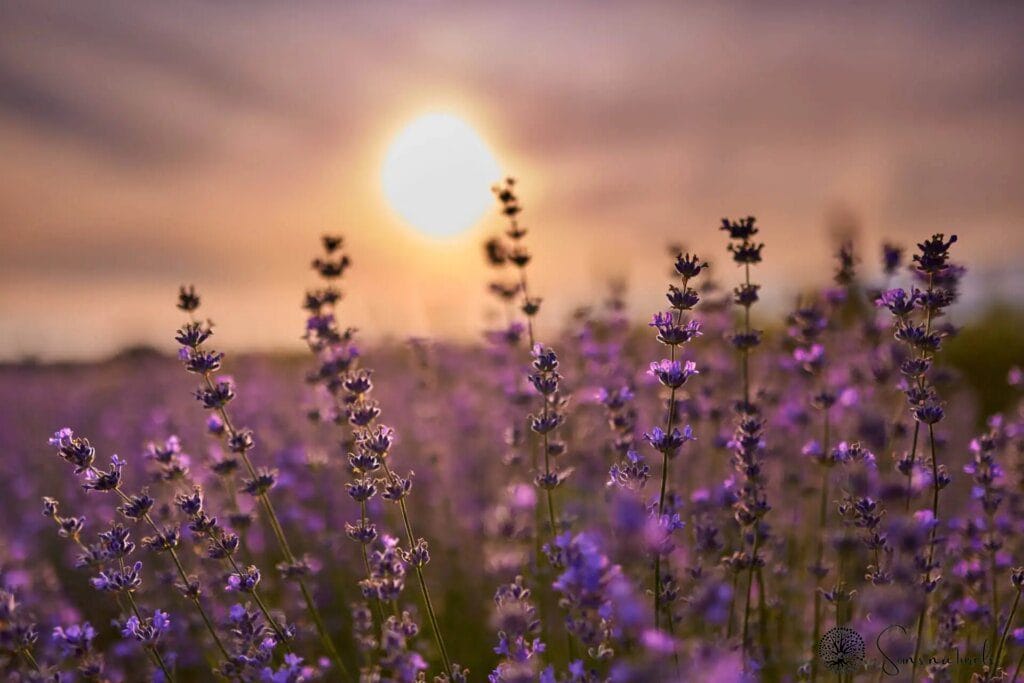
x,y
151,140
129,84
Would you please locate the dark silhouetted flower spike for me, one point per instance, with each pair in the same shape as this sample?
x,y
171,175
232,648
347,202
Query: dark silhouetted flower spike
x,y
846,272
350,387
188,300
747,443
934,254
892,258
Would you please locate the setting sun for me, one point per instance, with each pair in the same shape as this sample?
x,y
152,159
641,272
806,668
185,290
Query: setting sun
x,y
437,175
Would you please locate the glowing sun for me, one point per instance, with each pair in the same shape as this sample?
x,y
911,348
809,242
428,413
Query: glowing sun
x,y
437,175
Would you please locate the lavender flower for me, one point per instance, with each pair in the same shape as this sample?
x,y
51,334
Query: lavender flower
x,y
115,544
215,393
350,387
801,478
932,267
518,629
673,374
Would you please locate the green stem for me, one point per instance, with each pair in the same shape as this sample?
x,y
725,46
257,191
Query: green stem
x,y
369,572
910,470
549,494
920,632
750,584
27,654
552,518
731,628
762,614
995,588
819,559
229,486
931,545
664,476
997,658
935,479
431,615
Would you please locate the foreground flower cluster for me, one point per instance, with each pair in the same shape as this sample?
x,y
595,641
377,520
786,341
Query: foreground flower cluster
x,y
709,500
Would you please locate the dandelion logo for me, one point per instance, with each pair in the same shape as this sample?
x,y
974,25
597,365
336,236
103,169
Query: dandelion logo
x,y
841,649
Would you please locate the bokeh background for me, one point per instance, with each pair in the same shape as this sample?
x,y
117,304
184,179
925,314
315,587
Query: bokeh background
x,y
143,144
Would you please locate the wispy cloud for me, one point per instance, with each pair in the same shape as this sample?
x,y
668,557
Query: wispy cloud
x,y
145,140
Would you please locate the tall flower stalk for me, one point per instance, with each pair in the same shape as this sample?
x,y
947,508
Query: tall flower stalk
x,y
748,441
932,267
206,363
515,252
337,357
672,373
544,376
222,544
987,473
807,327
350,386
994,672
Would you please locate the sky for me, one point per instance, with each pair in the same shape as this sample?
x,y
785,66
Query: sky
x,y
146,144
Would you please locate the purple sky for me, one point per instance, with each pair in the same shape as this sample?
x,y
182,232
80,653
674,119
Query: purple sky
x,y
145,144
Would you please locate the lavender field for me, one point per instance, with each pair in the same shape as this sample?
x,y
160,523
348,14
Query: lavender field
x,y
717,495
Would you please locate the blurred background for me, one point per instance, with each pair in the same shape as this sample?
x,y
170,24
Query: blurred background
x,y
145,144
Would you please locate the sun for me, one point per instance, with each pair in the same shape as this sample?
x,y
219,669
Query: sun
x,y
437,175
